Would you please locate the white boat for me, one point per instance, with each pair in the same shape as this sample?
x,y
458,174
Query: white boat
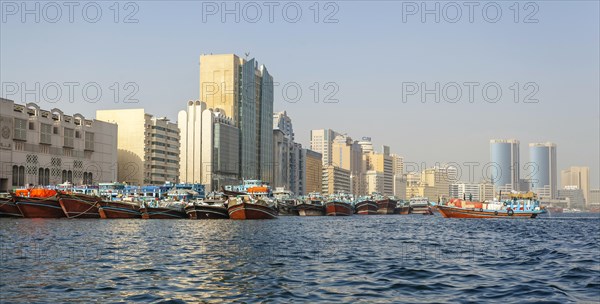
x,y
419,205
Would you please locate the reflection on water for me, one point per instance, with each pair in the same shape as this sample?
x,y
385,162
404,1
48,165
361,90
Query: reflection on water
x,y
360,258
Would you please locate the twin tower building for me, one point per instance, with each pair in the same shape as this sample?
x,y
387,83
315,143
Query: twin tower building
x,y
227,135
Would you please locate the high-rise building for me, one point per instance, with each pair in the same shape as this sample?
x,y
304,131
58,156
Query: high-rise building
x,y
397,164
190,126
578,177
209,149
45,147
574,195
148,146
504,157
436,182
347,154
321,142
400,186
374,181
243,91
283,151
382,162
336,179
542,157
313,171
220,150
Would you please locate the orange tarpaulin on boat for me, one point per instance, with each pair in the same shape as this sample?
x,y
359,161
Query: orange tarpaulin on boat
x,y
258,189
35,192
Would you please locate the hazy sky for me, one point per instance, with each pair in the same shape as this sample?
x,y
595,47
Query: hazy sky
x,y
371,56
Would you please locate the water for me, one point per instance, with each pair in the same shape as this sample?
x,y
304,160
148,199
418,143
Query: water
x,y
374,259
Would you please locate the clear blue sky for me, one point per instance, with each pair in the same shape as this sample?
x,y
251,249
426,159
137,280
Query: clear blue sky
x,y
369,53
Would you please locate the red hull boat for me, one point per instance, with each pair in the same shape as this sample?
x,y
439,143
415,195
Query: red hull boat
x,y
457,212
386,206
249,211
121,210
366,207
8,208
79,205
38,207
201,212
338,209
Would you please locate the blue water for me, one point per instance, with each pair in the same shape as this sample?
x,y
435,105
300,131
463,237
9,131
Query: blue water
x,y
374,259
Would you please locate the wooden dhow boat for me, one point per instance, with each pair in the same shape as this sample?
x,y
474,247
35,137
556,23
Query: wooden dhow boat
x,y
518,206
311,206
8,208
366,206
38,203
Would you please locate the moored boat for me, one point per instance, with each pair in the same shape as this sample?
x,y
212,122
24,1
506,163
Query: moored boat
x,y
214,206
200,211
244,207
386,206
519,206
402,208
163,210
8,208
366,207
419,205
76,205
38,203
312,205
339,205
285,202
119,210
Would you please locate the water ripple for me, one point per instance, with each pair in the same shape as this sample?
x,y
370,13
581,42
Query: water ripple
x,y
362,259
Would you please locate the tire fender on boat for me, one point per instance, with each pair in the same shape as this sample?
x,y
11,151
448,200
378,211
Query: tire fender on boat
x,y
510,212
496,212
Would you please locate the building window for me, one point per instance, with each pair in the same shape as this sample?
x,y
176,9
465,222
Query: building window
x,y
20,126
31,125
89,141
44,177
87,178
67,176
46,134
18,176
77,134
69,137
55,130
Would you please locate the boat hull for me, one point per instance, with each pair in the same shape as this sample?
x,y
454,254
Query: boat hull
x,y
286,209
32,207
455,212
366,208
246,211
118,210
79,206
162,213
402,210
8,208
310,210
386,206
206,212
338,209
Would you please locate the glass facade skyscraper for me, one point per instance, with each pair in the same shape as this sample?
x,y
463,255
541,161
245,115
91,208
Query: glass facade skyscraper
x,y
504,167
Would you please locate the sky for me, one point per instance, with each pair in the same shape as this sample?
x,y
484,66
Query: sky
x,y
358,67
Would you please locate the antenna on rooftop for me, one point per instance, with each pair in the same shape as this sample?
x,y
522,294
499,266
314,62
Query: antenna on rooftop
x,y
247,54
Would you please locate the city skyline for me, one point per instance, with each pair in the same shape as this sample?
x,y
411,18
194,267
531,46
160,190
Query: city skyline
x,y
173,80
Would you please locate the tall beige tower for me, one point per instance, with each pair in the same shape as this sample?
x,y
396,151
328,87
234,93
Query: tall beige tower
x,y
576,176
